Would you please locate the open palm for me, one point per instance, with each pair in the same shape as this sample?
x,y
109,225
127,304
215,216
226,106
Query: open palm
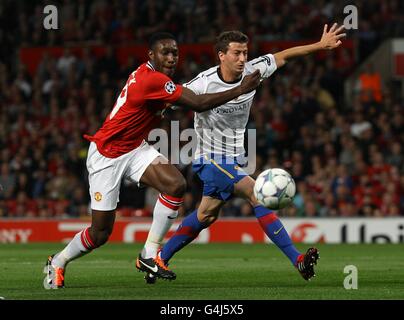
x,y
331,38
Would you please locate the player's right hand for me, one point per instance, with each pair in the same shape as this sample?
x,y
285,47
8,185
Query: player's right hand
x,y
250,82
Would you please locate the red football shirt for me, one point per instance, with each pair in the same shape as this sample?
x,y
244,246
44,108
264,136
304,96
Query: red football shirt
x,y
136,111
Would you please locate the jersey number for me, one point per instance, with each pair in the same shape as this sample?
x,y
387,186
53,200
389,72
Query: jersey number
x,y
120,101
122,97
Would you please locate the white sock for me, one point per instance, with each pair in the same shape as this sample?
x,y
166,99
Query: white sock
x,y
164,214
80,245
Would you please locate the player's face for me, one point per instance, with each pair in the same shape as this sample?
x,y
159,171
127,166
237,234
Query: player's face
x,y
164,56
235,57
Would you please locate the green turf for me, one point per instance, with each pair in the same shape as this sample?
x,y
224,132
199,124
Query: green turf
x,y
214,271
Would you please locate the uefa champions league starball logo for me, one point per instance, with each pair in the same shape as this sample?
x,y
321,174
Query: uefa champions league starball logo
x,y
170,87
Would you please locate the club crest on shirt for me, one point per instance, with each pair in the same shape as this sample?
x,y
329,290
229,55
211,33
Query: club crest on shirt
x,y
170,87
97,196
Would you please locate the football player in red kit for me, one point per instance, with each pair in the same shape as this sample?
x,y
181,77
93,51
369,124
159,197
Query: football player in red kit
x,y
118,151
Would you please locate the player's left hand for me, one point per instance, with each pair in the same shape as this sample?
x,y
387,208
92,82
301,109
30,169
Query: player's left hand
x,y
331,38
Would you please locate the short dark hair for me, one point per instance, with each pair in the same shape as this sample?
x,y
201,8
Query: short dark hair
x,y
160,36
223,40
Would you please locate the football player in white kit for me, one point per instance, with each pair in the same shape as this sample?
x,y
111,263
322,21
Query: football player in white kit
x,y
220,134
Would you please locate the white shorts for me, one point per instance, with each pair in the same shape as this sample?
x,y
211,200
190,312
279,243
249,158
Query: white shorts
x,y
105,174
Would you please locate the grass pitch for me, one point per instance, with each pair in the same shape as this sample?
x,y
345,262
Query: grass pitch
x,y
205,272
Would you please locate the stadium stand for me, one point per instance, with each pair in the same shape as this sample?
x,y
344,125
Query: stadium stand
x,y
346,156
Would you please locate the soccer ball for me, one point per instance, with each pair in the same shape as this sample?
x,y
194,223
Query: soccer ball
x,y
274,188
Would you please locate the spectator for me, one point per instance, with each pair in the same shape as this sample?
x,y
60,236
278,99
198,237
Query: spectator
x,y
246,210
395,157
57,187
66,62
7,182
370,87
3,209
79,203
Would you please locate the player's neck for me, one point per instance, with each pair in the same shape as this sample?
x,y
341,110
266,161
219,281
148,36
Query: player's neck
x,y
228,76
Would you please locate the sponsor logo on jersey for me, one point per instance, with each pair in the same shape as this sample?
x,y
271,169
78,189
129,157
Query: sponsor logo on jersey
x,y
97,196
232,109
170,87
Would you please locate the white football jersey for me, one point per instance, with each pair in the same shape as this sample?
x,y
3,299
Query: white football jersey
x,y
221,130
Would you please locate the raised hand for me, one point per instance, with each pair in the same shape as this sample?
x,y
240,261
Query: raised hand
x,y
331,38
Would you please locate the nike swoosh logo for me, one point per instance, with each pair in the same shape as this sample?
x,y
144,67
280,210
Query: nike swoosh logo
x,y
277,231
171,217
154,269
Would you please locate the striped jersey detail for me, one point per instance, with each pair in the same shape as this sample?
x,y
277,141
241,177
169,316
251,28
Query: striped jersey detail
x,y
150,65
263,59
194,79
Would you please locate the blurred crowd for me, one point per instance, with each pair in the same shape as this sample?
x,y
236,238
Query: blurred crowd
x,y
346,158
133,21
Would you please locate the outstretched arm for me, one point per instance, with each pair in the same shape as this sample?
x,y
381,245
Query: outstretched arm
x,y
207,101
329,40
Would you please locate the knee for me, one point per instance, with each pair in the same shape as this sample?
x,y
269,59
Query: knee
x,y
99,237
176,187
207,218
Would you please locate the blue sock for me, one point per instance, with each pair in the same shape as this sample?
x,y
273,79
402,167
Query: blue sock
x,y
275,230
188,230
